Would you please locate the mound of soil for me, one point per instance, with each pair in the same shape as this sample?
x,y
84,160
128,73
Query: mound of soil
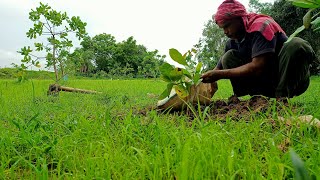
x,y
237,109
232,108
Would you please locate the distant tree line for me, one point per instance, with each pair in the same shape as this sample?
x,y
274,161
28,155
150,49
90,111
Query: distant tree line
x,y
102,56
211,45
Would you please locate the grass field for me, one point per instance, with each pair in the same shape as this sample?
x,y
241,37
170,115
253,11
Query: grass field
x,y
83,136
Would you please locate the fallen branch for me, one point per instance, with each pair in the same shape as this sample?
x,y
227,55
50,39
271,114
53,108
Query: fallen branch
x,y
56,88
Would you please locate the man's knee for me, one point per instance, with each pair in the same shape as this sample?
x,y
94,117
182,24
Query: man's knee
x,y
231,59
298,48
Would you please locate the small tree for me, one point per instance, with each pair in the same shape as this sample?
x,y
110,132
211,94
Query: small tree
x,y
58,26
181,79
211,45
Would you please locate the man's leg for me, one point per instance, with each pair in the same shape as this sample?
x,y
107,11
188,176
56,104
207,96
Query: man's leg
x,y
295,58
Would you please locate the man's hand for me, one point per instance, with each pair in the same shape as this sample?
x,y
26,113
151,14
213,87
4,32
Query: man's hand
x,y
210,76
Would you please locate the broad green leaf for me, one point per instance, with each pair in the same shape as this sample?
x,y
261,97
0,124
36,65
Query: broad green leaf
x,y
187,73
181,91
316,24
198,68
196,78
177,56
300,29
316,21
165,78
307,19
316,29
176,74
166,92
169,73
305,3
166,68
301,172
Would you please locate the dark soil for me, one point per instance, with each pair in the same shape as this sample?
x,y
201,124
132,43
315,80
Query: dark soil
x,y
234,108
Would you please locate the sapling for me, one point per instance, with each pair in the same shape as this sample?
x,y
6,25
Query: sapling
x,y
181,78
57,26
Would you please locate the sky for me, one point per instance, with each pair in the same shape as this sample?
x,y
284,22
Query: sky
x,y
156,24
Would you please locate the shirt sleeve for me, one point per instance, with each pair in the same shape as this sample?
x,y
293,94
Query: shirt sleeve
x,y
260,45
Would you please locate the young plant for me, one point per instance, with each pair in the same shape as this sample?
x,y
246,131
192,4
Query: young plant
x,y
58,26
180,78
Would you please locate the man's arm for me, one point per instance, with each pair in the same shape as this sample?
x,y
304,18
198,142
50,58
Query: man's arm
x,y
254,68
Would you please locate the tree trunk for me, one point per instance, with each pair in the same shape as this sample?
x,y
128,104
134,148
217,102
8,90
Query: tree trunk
x,y
54,59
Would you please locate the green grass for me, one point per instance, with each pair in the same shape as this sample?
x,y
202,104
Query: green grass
x,y
102,136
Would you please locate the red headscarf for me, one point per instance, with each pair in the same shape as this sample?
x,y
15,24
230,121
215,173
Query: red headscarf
x,y
230,9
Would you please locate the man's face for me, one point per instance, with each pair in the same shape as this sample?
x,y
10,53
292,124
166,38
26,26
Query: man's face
x,y
234,28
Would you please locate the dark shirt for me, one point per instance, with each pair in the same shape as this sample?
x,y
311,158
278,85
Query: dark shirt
x,y
255,44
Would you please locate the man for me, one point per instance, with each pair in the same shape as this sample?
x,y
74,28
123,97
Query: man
x,y
257,59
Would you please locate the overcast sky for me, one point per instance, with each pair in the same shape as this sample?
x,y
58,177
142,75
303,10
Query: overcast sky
x,y
156,24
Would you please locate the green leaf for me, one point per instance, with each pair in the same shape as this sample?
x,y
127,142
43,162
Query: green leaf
x,y
316,24
305,3
194,50
317,29
198,68
39,46
298,165
300,29
196,78
165,78
177,56
187,73
23,66
316,21
26,59
166,68
307,19
176,74
166,92
181,91
188,86
170,73
38,64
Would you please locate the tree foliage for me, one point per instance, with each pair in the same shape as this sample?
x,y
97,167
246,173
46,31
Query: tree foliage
x,y
211,45
257,6
58,26
108,58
